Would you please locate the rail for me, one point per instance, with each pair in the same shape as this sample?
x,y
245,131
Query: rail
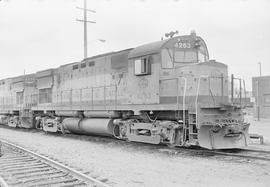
x,y
94,96
72,172
104,96
3,183
197,97
210,92
184,104
236,93
253,154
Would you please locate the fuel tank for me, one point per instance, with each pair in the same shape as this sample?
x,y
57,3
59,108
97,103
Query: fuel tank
x,y
94,126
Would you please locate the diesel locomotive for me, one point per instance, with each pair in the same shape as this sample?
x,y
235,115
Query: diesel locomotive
x,y
165,92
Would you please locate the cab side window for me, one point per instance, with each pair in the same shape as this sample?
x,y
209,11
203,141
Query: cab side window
x,y
142,66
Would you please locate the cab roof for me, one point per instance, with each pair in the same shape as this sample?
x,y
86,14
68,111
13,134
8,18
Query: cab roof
x,y
155,47
147,49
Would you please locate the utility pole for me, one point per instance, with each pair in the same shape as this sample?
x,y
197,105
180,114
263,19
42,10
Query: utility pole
x,y
240,85
232,87
245,92
85,21
23,92
257,101
85,28
260,68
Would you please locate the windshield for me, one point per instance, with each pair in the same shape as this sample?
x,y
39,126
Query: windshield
x,y
201,57
167,58
177,58
185,56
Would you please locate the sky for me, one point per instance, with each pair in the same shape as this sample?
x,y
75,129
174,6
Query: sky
x,y
41,34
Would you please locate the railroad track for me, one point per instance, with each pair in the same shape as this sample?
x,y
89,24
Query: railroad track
x,y
249,154
21,167
246,153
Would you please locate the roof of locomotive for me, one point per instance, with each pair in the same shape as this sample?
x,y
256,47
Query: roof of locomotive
x,y
155,47
147,49
22,77
107,54
97,56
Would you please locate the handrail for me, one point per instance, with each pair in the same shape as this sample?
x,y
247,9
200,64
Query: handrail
x,y
197,96
197,92
184,106
184,97
91,89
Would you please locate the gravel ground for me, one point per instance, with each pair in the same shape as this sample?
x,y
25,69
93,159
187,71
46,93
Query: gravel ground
x,y
131,164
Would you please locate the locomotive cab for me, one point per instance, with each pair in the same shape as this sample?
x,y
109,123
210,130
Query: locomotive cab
x,y
183,50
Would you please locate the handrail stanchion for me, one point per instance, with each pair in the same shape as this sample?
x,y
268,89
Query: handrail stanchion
x,y
197,97
184,106
115,102
70,99
92,97
245,93
104,95
81,98
177,97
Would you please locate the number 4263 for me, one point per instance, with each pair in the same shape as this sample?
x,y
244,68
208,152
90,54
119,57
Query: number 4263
x,y
182,45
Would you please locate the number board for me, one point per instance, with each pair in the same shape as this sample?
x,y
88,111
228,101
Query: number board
x,y
184,44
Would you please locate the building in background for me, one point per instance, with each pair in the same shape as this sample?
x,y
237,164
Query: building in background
x,y
261,94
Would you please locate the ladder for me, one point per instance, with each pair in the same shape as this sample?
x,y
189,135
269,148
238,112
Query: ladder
x,y
193,118
192,128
